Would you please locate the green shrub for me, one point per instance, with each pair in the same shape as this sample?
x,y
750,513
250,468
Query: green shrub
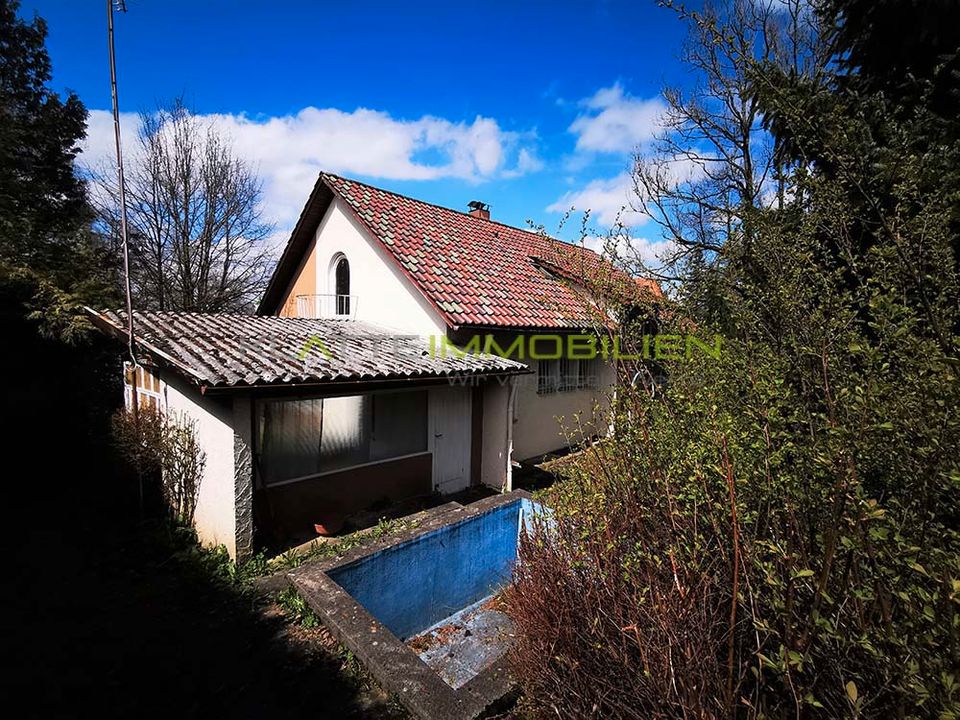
x,y
730,552
774,534
166,455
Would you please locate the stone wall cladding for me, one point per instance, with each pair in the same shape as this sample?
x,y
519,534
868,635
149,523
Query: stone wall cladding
x,y
243,491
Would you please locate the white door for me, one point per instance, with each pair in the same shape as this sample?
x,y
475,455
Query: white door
x,y
449,428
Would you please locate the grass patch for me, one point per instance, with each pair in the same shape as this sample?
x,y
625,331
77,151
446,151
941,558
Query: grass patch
x,y
318,550
293,605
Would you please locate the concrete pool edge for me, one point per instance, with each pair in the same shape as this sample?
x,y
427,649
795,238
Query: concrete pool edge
x,y
397,667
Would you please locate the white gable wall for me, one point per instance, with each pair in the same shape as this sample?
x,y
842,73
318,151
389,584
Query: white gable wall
x,y
385,296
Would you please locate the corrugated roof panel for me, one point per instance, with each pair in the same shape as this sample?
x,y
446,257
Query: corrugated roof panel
x,y
222,350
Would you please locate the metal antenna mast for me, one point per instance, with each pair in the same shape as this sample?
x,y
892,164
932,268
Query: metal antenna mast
x,y
122,7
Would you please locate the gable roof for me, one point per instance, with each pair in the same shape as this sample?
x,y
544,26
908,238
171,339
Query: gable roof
x,y
475,272
224,351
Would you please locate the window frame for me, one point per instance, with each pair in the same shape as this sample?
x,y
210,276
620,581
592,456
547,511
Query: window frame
x,y
587,378
565,375
149,387
548,381
569,374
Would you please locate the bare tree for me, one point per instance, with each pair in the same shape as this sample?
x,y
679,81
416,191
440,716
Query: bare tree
x,y
714,163
196,230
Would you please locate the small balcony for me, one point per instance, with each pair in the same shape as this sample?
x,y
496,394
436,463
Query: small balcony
x,y
327,306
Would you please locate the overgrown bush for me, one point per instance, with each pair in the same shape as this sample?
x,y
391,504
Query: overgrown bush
x,y
166,455
727,556
776,534
772,534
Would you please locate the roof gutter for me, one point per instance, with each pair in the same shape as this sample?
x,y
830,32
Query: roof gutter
x,y
525,328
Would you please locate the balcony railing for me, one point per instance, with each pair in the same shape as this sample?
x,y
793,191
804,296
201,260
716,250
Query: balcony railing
x,y
327,306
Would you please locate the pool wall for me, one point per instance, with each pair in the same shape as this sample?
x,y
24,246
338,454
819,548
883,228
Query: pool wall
x,y
413,586
396,666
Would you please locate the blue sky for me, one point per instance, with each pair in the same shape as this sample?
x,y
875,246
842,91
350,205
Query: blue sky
x,y
530,105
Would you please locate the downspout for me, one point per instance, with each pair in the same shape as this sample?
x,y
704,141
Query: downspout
x,y
511,401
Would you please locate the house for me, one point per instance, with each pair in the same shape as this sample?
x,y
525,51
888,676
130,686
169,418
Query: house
x,y
401,349
362,252
306,420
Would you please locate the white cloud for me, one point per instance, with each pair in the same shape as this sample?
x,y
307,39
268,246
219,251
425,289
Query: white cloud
x,y
289,151
527,162
608,200
629,249
614,121
614,200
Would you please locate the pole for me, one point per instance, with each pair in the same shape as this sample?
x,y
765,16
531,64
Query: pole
x,y
123,203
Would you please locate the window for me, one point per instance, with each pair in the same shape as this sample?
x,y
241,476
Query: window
x,y
398,424
342,286
587,377
148,387
302,438
565,375
548,376
344,432
569,374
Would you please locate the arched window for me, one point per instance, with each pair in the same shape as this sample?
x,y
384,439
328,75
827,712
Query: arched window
x,y
341,280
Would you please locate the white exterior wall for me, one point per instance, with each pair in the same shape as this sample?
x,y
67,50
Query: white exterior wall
x,y
496,450
540,421
215,519
384,295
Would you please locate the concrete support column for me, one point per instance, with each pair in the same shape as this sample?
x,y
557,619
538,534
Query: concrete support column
x,y
511,412
243,476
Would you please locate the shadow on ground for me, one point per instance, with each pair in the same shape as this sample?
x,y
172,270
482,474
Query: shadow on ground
x,y
107,617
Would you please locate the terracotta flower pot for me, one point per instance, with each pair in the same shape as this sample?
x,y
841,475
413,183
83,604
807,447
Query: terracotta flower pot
x,y
329,526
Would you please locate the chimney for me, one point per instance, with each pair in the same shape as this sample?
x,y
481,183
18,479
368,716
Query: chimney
x,y
479,209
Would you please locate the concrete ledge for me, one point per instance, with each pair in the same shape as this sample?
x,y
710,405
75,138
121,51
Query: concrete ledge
x,y
397,667
279,580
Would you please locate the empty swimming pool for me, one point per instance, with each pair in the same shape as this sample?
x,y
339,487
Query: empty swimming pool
x,y
417,584
430,586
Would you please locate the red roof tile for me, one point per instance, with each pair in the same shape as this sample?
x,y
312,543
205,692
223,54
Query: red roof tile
x,y
476,271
